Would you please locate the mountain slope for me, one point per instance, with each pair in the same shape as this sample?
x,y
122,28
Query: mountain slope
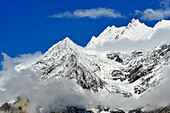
x,y
109,71
133,31
112,72
141,70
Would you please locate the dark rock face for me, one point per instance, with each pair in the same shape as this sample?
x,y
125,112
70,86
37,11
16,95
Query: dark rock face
x,y
115,56
117,111
138,66
137,111
137,53
5,107
19,106
67,61
162,110
117,74
146,64
151,63
101,108
72,110
73,69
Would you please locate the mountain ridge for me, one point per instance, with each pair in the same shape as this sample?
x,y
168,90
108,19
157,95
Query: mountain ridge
x,y
66,57
111,72
127,32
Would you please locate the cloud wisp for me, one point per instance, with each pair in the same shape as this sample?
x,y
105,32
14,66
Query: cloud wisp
x,y
89,13
150,14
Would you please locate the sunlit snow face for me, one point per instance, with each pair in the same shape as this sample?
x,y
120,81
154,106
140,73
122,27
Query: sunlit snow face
x,y
60,91
139,37
57,91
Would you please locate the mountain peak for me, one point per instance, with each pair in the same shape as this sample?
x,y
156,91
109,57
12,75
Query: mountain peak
x,y
64,44
68,43
134,22
162,24
135,30
67,39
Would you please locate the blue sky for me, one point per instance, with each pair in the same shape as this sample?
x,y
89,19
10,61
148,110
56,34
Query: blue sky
x,y
27,26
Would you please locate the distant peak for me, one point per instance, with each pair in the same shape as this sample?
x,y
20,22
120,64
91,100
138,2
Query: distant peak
x,y
134,21
108,27
113,27
67,39
162,24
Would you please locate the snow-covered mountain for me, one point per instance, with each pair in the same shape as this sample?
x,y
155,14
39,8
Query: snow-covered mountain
x,y
104,70
133,31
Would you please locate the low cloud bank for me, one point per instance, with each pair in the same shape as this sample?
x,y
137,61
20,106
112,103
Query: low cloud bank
x,y
62,92
159,37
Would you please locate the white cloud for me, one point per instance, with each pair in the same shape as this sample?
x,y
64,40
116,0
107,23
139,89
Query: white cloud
x,y
165,3
157,14
62,15
23,58
90,13
150,14
62,92
137,12
12,82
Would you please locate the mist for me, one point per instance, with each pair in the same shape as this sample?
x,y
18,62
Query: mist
x,y
60,92
159,37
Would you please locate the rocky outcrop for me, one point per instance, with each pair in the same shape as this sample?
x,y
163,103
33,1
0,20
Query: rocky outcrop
x,y
143,67
19,106
70,109
161,110
21,103
115,56
149,62
165,110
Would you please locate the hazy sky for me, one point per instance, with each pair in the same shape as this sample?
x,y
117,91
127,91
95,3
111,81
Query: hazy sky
x,y
27,26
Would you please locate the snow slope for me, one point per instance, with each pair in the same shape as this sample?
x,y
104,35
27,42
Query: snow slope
x,y
134,32
124,61
116,72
